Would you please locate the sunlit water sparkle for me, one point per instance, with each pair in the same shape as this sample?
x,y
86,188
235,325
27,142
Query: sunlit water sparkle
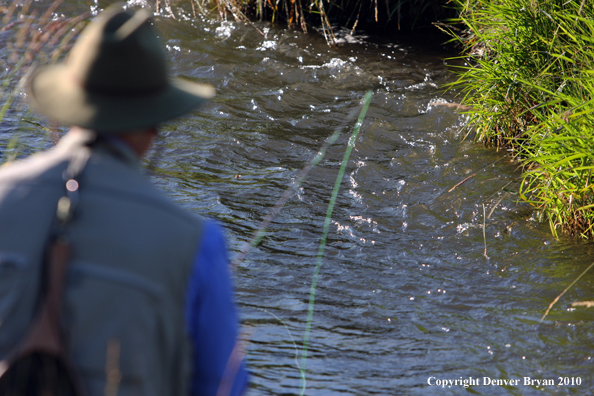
x,y
383,321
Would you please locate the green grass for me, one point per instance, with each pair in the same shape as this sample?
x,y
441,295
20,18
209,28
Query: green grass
x,y
529,80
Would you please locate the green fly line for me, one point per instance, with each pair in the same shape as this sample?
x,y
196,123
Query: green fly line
x,y
261,231
312,294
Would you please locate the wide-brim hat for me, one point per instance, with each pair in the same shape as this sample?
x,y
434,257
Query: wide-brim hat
x,y
115,78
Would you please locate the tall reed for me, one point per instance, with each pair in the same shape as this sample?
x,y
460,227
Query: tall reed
x,y
529,80
327,14
31,36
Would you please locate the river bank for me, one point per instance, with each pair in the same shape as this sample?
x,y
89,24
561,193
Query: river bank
x,y
527,86
326,16
529,83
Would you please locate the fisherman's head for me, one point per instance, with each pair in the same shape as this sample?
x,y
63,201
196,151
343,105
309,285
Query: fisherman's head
x,y
115,79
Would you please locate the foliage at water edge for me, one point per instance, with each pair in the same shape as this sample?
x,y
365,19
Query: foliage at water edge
x,y
529,79
30,37
386,14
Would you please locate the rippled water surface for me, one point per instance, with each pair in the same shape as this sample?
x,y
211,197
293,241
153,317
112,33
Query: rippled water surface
x,y
406,291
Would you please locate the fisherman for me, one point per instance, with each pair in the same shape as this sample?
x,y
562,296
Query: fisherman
x,y
148,292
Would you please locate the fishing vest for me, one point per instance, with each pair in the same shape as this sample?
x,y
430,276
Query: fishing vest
x,y
132,255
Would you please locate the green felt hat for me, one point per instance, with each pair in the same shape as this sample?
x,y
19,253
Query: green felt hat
x,y
115,78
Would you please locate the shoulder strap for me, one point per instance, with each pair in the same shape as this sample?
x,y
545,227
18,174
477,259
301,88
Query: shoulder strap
x,y
44,341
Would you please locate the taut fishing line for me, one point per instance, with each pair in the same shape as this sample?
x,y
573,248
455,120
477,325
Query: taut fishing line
x,y
261,231
314,282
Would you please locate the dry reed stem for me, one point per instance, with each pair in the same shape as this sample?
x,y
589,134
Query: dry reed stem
x,y
193,9
50,11
357,19
484,233
10,26
564,291
462,181
67,27
168,6
301,17
473,175
495,206
457,106
25,7
36,124
9,12
66,41
587,304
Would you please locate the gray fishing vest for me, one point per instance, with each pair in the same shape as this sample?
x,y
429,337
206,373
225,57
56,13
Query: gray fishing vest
x,y
132,255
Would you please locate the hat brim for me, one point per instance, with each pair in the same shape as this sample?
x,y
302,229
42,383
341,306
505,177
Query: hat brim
x,y
55,93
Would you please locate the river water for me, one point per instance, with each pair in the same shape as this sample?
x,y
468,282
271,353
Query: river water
x,y
407,294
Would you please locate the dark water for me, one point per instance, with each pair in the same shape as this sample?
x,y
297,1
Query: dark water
x,y
405,291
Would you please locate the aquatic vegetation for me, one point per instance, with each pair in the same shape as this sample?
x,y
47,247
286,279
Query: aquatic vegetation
x,y
587,304
30,36
388,14
529,82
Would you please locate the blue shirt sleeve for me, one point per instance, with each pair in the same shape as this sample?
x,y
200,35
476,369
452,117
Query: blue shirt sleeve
x,y
212,319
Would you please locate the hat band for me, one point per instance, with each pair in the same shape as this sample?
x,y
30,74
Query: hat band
x,y
117,91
